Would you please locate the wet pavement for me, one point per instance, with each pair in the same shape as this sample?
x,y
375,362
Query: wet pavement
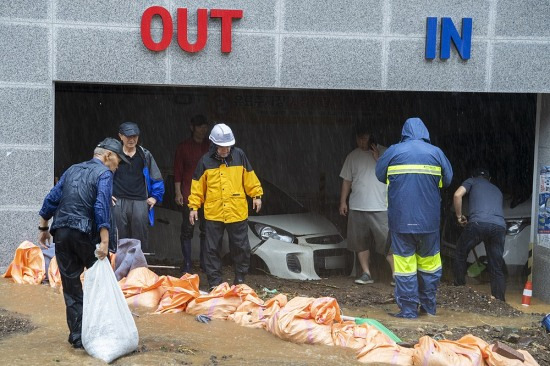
x,y
167,339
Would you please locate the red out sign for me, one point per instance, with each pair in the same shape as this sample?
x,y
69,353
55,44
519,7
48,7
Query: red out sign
x,y
225,15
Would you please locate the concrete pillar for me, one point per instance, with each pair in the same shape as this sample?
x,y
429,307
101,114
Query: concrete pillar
x,y
26,120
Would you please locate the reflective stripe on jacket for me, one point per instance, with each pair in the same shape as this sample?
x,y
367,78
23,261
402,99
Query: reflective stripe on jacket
x,y
414,170
222,186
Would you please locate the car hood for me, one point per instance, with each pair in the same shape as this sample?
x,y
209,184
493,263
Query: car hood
x,y
297,224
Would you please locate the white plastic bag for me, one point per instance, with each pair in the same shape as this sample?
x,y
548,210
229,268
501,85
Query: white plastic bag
x,y
108,328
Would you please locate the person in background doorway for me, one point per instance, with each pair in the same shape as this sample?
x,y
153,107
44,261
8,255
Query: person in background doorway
x,y
367,212
187,156
485,224
137,187
80,206
415,170
221,182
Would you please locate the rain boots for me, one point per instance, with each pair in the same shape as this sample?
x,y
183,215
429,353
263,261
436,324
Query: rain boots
x,y
239,279
186,251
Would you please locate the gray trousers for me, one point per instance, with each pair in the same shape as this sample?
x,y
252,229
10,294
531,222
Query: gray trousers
x,y
132,221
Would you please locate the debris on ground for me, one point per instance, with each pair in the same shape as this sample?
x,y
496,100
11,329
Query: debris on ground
x,y
202,318
12,323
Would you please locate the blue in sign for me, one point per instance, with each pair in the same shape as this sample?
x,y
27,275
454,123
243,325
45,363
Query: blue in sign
x,y
449,33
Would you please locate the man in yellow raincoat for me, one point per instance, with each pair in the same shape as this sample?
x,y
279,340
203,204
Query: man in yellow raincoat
x,y
221,181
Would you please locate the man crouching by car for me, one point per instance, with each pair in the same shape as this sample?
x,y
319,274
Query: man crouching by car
x,y
486,223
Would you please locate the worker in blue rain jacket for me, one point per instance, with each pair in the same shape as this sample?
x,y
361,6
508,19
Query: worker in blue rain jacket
x,y
415,171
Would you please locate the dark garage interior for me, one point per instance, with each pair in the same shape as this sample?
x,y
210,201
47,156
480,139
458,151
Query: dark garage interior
x,y
298,139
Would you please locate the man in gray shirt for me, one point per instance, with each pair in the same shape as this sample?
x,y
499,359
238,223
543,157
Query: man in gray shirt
x,y
485,223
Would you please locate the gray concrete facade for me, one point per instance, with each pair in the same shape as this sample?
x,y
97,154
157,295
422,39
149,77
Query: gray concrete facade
x,y
310,44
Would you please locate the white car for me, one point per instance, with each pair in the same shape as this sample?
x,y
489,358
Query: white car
x,y
516,245
286,240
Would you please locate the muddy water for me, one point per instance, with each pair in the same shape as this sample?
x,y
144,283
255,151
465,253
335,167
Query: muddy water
x,y
169,339
460,319
450,318
175,339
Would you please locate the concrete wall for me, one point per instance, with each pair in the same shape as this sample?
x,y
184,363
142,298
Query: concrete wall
x,y
335,44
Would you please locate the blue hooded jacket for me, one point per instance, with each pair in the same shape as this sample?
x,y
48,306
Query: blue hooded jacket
x,y
153,180
414,200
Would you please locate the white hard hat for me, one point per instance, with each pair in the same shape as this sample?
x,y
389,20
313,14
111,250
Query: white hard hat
x,y
222,135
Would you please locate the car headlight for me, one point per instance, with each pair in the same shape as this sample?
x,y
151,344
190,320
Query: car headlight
x,y
514,227
265,232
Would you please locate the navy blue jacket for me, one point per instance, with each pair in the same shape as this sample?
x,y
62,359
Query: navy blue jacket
x,y
414,199
81,199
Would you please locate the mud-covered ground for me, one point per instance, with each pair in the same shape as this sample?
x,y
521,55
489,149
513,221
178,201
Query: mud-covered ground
x,y
530,336
478,309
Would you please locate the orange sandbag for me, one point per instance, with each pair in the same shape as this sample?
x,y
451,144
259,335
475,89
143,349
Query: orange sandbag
x,y
248,313
325,310
273,305
467,351
493,359
54,277
430,352
142,288
306,320
179,292
254,313
351,335
386,355
468,346
28,265
221,301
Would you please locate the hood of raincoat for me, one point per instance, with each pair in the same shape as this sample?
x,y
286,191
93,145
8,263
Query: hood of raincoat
x,y
414,129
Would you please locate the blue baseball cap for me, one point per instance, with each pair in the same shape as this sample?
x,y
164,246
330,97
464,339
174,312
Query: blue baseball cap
x,y
128,129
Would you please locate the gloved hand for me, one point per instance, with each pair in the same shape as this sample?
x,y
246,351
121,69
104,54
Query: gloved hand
x,y
202,318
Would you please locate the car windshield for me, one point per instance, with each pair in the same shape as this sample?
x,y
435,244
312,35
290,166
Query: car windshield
x,y
276,202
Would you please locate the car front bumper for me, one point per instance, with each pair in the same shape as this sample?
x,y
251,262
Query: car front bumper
x,y
302,261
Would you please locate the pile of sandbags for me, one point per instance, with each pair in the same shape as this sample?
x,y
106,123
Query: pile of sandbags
x,y
300,320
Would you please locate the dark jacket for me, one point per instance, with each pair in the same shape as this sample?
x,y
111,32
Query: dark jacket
x,y
81,199
414,170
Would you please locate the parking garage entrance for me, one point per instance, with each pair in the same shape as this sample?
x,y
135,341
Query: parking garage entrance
x,y
297,140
